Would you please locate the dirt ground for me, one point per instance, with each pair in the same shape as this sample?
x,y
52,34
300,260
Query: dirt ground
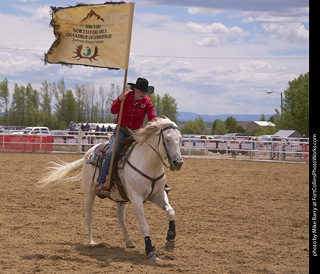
x,y
231,217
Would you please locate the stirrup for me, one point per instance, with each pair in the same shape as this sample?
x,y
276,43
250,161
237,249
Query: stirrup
x,y
102,192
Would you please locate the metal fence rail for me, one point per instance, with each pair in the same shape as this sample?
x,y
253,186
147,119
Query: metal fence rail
x,y
70,143
284,151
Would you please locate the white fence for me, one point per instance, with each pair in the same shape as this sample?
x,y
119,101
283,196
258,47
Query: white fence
x,y
279,151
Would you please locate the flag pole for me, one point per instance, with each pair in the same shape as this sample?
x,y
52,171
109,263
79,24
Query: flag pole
x,y
118,126
123,91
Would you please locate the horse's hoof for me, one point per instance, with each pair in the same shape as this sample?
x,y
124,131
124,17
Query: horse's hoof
x,y
95,245
169,246
91,243
168,189
153,256
130,245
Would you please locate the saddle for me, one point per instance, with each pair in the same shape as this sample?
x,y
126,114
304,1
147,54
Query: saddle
x,y
98,155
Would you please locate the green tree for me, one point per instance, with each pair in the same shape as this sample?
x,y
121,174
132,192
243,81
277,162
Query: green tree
x,y
45,104
263,118
91,95
218,127
32,106
18,105
231,124
71,106
4,99
169,107
102,103
80,95
156,101
65,106
194,127
295,112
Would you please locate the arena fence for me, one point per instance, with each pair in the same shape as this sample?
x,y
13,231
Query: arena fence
x,y
79,142
288,150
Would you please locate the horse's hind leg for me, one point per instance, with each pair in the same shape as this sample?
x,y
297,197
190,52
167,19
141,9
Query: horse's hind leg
x,y
88,203
121,211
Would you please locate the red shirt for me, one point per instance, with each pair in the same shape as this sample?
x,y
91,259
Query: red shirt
x,y
133,112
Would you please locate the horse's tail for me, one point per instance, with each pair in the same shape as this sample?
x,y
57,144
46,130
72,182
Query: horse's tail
x,y
61,173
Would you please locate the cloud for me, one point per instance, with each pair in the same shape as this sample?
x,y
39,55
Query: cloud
x,y
216,29
215,34
42,13
219,81
290,32
204,11
243,5
18,63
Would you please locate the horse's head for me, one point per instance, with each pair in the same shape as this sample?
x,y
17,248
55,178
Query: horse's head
x,y
171,140
166,140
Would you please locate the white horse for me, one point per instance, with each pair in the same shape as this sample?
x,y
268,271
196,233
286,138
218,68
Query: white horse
x,y
142,177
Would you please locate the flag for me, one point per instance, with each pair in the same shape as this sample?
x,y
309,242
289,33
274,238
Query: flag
x,y
92,35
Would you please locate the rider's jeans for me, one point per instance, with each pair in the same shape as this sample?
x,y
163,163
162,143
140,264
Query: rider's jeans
x,y
106,163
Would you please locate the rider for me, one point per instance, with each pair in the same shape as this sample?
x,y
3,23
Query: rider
x,y
135,108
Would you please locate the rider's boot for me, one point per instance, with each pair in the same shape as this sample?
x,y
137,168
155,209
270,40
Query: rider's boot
x,y
103,190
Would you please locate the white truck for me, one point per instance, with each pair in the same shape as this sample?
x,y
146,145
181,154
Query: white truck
x,y
34,130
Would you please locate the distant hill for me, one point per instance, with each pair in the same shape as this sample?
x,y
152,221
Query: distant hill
x,y
190,116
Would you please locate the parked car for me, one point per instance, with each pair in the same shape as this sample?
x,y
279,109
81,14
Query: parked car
x,y
10,129
230,136
226,139
34,130
265,140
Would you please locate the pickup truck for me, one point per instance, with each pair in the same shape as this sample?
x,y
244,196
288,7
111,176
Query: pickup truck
x,y
33,130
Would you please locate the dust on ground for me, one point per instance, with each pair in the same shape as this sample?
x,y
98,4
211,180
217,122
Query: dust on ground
x,y
231,217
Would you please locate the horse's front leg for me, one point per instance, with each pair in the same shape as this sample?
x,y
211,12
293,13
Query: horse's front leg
x,y
121,208
137,205
163,202
171,235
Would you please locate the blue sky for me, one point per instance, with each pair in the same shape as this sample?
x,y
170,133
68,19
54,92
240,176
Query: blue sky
x,y
212,56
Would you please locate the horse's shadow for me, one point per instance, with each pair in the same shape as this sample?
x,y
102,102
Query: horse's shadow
x,y
101,254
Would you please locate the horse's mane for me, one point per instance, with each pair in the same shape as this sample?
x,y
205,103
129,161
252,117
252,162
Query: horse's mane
x,y
142,134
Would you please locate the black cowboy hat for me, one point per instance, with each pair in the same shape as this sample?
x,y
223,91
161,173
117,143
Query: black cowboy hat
x,y
142,84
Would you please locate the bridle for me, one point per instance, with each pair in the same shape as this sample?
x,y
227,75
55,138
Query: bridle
x,y
164,145
154,180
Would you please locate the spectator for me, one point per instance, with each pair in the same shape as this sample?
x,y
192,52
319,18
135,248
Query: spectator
x,y
82,127
274,149
87,127
103,130
97,130
72,126
253,145
233,152
283,147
